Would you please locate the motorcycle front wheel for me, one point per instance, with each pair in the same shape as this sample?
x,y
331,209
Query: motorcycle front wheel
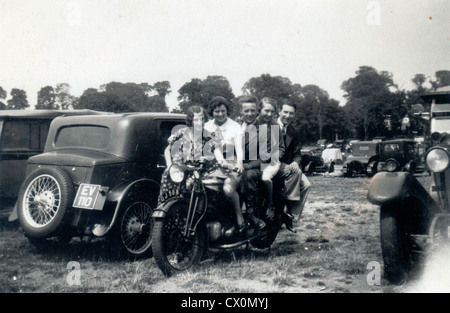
x,y
173,251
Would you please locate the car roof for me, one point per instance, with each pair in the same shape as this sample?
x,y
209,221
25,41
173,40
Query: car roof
x,y
109,119
398,140
123,126
365,142
46,113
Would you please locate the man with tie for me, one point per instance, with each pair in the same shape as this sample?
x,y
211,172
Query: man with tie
x,y
256,119
252,160
292,156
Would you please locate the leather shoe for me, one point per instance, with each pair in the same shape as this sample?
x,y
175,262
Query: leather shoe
x,y
270,213
256,222
239,229
290,225
289,215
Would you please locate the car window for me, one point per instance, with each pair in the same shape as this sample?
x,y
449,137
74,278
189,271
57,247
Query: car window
x,y
391,147
83,136
20,135
43,134
410,149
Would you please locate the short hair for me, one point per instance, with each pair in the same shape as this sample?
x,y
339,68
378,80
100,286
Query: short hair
x,y
191,111
288,102
248,99
267,100
217,102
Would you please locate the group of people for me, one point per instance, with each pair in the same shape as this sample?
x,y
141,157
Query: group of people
x,y
262,152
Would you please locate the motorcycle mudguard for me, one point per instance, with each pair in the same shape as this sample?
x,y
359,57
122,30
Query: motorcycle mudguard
x,y
393,187
162,209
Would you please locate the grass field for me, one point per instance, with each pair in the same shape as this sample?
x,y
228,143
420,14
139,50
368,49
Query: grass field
x,y
337,237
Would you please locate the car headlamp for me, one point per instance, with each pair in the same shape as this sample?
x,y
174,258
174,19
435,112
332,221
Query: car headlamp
x,y
176,173
437,160
391,166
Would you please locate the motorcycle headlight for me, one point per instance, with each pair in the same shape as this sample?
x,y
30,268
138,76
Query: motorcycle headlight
x,y
391,166
437,160
176,173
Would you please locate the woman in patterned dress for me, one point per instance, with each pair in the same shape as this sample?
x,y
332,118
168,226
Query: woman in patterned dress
x,y
186,145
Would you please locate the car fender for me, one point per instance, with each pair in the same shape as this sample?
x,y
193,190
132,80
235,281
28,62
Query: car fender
x,y
395,187
13,215
310,163
121,193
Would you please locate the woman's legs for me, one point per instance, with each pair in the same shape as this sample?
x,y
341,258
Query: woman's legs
x,y
229,189
268,187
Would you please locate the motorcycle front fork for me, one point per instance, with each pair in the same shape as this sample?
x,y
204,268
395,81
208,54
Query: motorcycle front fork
x,y
196,204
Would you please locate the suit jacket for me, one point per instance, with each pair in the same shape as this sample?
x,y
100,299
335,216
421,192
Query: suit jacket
x,y
293,146
252,144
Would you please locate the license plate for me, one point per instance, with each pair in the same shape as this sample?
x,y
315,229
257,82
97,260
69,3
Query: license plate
x,y
87,196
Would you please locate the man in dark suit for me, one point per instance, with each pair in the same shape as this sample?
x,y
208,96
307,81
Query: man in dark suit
x,y
292,157
257,122
252,159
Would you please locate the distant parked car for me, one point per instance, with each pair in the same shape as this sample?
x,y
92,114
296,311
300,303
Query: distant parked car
x,y
22,135
98,176
332,155
312,162
363,159
399,155
321,143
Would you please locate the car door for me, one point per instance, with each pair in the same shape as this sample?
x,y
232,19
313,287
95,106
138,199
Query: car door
x,y
20,139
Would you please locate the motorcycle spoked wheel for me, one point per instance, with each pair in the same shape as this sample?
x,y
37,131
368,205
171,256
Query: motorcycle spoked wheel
x,y
173,252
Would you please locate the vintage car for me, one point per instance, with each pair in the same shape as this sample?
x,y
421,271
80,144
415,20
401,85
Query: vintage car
x,y
363,159
321,143
312,162
98,176
400,155
412,219
332,155
22,135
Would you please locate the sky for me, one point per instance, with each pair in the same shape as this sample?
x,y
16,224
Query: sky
x,y
88,43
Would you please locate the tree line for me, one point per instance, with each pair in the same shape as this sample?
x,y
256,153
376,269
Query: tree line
x,y
375,106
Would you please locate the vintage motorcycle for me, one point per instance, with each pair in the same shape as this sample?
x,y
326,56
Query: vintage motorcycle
x,y
412,219
184,229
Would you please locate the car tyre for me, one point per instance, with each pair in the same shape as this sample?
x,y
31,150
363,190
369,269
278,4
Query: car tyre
x,y
132,235
310,169
44,203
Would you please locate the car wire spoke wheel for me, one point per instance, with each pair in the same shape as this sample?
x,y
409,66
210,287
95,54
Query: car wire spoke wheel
x,y
44,203
136,227
41,201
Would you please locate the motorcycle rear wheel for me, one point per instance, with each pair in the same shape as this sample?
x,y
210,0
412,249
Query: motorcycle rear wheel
x,y
269,234
174,252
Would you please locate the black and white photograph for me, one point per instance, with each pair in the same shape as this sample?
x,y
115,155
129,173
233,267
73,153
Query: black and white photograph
x,y
223,151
